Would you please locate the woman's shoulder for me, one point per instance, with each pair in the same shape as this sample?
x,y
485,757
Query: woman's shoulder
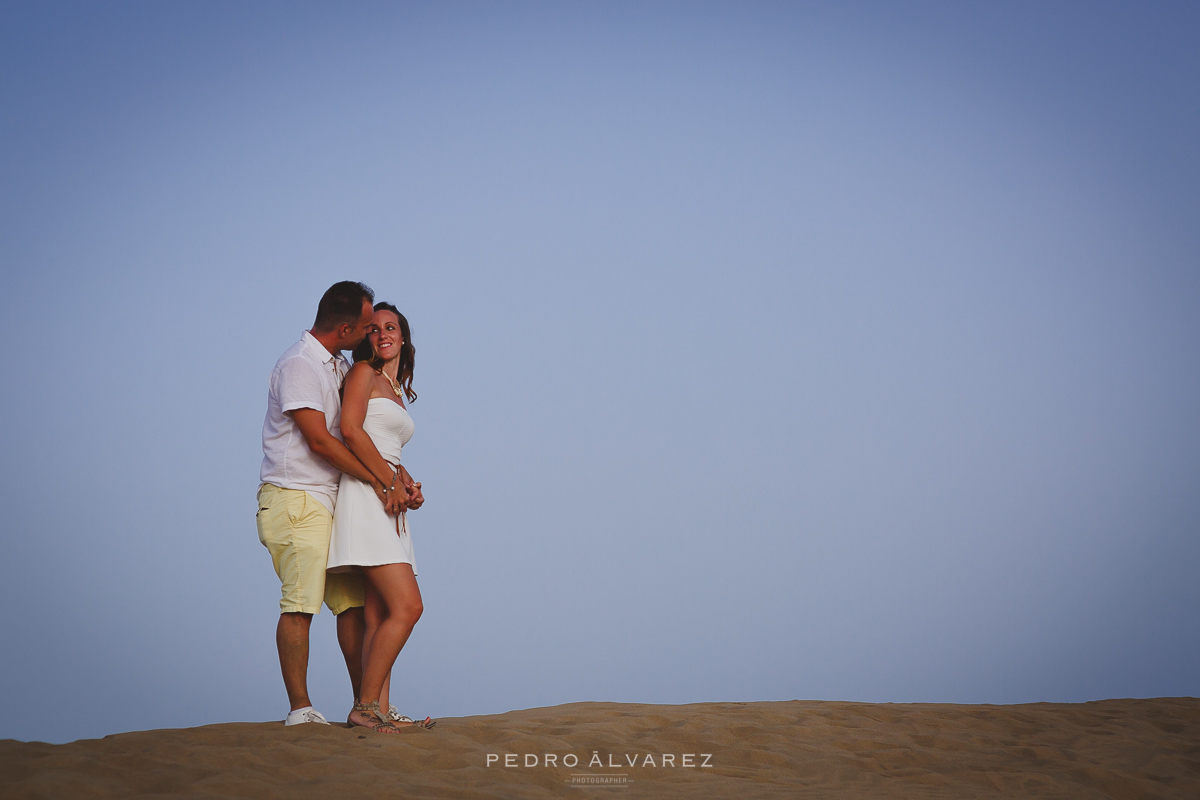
x,y
359,378
360,370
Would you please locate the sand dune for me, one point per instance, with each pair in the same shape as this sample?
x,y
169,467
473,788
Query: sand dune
x,y
1107,749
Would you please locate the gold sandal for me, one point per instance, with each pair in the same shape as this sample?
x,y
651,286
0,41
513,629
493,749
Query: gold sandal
x,y
396,716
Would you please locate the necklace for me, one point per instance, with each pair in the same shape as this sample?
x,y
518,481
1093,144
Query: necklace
x,y
395,386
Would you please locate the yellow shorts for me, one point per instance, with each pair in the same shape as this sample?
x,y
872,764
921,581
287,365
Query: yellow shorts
x,y
294,526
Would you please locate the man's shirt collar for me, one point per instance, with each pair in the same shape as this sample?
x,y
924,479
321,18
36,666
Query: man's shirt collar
x,y
319,349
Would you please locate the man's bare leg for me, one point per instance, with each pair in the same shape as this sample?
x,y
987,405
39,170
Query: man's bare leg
x,y
291,638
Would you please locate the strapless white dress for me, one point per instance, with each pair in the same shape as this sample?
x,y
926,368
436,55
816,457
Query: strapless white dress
x,y
363,534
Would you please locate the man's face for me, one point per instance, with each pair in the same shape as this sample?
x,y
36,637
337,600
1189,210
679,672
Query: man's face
x,y
352,336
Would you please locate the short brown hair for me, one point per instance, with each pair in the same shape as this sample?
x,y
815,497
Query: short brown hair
x,y
342,305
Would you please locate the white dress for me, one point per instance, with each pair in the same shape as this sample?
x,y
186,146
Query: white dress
x,y
363,534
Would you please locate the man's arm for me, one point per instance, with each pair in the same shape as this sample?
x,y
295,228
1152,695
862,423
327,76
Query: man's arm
x,y
311,423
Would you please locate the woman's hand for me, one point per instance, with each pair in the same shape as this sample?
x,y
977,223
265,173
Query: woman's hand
x,y
397,495
415,498
393,501
397,501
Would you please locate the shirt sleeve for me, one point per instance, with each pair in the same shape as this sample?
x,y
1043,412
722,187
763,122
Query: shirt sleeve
x,y
300,386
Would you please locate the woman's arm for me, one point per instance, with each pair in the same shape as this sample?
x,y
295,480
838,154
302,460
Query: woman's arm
x,y
312,427
355,394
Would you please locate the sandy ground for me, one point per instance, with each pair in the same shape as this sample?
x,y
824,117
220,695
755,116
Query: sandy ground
x,y
1106,749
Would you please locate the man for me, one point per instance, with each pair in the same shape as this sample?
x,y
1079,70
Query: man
x,y
303,459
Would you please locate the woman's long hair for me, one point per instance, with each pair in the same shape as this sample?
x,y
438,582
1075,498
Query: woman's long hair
x,y
408,353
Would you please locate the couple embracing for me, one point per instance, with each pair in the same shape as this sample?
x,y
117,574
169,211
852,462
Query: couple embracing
x,y
334,500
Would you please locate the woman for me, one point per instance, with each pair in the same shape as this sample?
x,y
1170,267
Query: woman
x,y
375,426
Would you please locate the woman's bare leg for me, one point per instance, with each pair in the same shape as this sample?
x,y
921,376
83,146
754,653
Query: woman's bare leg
x,y
373,613
393,606
384,701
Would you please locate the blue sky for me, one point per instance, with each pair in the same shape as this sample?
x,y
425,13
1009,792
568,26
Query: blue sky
x,y
765,351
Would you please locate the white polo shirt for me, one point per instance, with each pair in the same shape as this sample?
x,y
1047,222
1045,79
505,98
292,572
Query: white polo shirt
x,y
306,376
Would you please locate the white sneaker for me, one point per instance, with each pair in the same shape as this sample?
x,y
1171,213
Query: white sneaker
x,y
306,714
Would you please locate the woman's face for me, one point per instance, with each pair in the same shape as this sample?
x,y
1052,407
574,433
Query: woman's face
x,y
384,335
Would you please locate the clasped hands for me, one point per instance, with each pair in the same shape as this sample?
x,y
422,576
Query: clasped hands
x,y
405,496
